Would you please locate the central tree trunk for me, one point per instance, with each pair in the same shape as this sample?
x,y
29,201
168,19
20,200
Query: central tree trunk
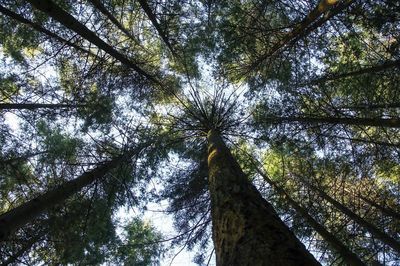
x,y
246,228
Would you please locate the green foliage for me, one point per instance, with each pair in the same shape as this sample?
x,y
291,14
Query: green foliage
x,y
19,42
141,244
13,175
82,232
8,87
96,111
243,153
344,66
57,144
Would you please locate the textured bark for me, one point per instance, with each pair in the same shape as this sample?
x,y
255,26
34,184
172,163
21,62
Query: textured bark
x,y
246,228
379,234
21,215
57,13
34,106
39,28
373,122
346,254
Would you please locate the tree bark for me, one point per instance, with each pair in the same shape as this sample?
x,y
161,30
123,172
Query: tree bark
x,y
39,28
373,122
347,255
57,13
23,214
382,236
246,228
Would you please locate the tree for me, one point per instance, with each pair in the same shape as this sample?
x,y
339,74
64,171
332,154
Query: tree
x,y
100,99
143,235
21,215
346,254
245,226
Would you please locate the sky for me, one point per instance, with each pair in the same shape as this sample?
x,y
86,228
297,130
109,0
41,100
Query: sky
x,y
163,223
154,214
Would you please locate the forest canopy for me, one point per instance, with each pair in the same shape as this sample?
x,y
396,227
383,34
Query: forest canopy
x,y
268,130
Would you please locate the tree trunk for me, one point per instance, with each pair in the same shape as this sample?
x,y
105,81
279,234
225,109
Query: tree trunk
x,y
368,107
97,4
366,70
328,9
57,13
347,255
385,210
25,248
391,242
381,143
307,25
146,8
19,216
39,28
33,106
373,122
246,228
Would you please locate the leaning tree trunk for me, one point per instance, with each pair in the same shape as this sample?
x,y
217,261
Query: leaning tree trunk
x,y
23,214
246,228
39,28
35,106
14,258
379,234
385,210
366,70
324,11
342,250
146,8
353,121
99,5
57,13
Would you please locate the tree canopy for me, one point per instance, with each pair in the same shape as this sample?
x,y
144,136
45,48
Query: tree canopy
x,y
269,128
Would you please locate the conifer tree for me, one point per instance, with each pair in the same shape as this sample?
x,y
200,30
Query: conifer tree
x,y
101,99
